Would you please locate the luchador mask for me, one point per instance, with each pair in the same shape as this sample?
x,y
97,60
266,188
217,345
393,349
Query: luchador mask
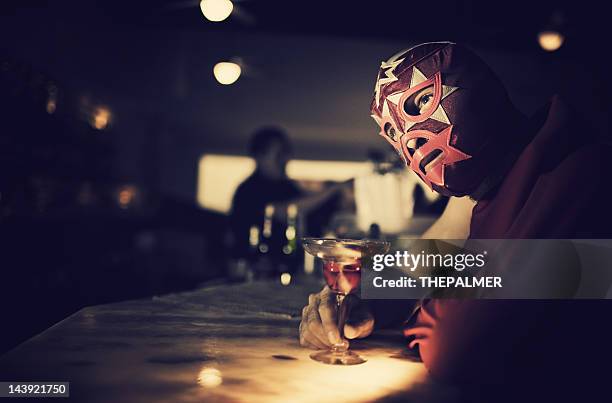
x,y
443,110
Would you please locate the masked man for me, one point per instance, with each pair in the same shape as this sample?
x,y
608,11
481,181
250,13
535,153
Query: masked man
x,y
450,118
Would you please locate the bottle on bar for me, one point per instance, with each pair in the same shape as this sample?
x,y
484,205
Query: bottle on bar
x,y
264,264
266,233
288,262
291,230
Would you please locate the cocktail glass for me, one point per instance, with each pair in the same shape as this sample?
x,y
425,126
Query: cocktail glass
x,y
342,262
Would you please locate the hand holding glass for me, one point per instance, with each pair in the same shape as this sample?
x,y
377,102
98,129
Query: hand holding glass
x,y
342,263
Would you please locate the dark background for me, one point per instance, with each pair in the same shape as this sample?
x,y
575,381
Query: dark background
x,y
310,67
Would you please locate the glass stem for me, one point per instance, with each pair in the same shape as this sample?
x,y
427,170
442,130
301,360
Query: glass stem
x,y
341,306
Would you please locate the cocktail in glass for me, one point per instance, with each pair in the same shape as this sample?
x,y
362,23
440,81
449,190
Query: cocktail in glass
x,y
342,264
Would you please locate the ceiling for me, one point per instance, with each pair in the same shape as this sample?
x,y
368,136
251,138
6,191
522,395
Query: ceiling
x,y
310,67
510,25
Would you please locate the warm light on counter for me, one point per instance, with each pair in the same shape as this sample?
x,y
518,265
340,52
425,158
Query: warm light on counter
x,y
550,40
210,377
227,73
285,279
216,10
302,380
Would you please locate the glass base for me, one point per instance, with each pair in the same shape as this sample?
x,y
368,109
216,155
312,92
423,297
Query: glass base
x,y
337,358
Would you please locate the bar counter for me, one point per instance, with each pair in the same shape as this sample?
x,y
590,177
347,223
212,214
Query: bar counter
x,y
222,343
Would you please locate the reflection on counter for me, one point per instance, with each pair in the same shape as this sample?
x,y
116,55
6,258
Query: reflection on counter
x,y
210,377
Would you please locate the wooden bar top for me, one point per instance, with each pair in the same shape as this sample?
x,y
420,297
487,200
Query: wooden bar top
x,y
224,343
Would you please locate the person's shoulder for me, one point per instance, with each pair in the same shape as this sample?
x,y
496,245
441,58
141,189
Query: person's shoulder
x,y
568,140
293,185
555,116
593,158
245,189
587,168
250,181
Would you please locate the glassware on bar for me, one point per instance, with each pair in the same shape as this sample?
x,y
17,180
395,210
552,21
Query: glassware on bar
x,y
342,263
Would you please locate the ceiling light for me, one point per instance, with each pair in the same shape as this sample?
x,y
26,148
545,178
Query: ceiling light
x,y
550,40
227,73
216,10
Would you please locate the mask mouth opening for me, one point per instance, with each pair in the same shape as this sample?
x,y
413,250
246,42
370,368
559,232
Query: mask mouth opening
x,y
427,159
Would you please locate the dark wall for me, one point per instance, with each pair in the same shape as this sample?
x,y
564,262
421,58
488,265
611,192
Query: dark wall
x,y
168,109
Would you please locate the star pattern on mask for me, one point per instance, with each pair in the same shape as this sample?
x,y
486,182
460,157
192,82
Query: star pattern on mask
x,y
386,113
388,68
450,155
417,78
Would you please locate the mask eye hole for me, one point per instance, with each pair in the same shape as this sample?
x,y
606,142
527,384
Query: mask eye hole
x,y
430,158
419,102
413,144
390,131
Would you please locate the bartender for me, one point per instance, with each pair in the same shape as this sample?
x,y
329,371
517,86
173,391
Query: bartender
x,y
268,186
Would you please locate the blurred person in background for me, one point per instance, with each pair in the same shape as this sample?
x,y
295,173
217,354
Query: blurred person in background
x,y
267,200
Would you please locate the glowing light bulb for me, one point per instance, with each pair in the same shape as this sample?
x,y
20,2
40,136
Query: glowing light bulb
x,y
126,196
51,106
101,118
52,99
550,40
216,10
227,73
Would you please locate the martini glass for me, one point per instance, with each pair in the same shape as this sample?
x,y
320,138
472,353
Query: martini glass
x,y
342,261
